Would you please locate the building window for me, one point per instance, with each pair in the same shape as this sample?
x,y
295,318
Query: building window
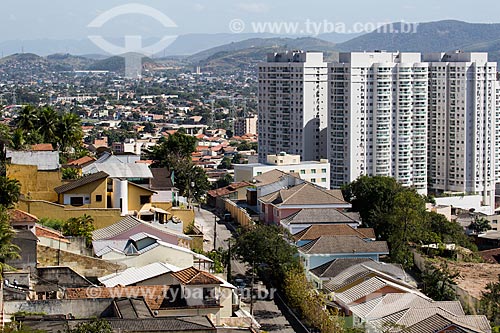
x,y
302,172
98,198
313,170
323,180
259,173
76,201
323,170
145,199
313,180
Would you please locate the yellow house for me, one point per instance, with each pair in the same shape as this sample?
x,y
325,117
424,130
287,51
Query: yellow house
x,y
97,190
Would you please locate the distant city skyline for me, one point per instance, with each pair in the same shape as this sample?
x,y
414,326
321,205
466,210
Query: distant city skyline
x,y
58,19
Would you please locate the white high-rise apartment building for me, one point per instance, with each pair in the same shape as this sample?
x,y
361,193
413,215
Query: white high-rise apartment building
x,y
428,121
462,141
293,105
378,117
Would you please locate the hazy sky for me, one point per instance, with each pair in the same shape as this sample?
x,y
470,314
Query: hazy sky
x,y
62,19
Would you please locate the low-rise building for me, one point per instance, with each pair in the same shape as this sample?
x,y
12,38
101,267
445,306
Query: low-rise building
x,y
316,172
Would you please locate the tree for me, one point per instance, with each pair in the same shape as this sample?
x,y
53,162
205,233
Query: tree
x,y
94,326
16,327
439,282
225,163
448,231
268,248
5,141
47,122
192,181
9,191
18,141
480,225
236,158
406,224
490,302
373,198
169,151
68,131
27,119
79,227
310,305
7,249
223,181
69,173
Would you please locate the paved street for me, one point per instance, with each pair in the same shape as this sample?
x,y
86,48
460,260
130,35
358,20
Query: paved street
x,y
266,312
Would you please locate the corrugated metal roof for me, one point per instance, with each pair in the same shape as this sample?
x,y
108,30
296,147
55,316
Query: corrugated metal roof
x,y
120,170
44,160
81,182
134,275
128,223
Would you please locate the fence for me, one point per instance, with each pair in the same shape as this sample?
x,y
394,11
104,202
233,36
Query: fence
x,y
468,301
239,214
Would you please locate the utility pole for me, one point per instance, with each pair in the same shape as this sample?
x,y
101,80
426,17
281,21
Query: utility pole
x,y
251,294
215,233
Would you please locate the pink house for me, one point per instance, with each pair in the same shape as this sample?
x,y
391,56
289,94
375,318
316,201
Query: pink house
x,y
281,204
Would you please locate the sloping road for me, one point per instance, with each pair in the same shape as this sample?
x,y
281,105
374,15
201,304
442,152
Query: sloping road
x,y
265,311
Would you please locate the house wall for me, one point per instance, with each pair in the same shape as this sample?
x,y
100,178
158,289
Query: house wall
x,y
80,308
285,212
28,254
187,312
185,215
103,217
83,265
35,184
226,301
134,197
158,254
240,215
89,190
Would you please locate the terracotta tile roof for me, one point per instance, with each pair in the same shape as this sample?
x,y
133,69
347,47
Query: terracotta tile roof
x,y
101,142
269,177
42,231
82,181
42,147
305,194
228,189
316,231
82,161
153,295
193,276
19,216
148,162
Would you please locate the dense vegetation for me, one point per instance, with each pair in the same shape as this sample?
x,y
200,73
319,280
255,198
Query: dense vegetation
x,y
174,153
398,216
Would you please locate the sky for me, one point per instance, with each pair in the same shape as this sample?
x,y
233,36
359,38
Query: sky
x,y
69,19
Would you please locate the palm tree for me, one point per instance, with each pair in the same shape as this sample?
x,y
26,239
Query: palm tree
x,y
69,131
5,141
7,250
47,121
27,119
10,190
18,141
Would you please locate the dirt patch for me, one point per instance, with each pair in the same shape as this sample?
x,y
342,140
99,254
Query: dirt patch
x,y
474,276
